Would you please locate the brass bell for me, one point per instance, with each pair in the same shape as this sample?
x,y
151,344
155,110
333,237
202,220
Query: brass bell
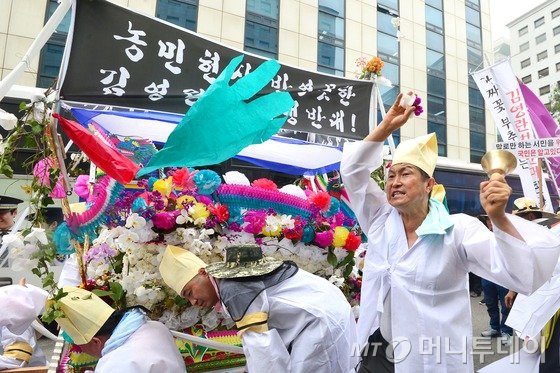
x,y
498,161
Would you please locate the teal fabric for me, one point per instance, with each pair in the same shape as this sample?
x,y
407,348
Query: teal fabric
x,y
437,221
221,123
129,324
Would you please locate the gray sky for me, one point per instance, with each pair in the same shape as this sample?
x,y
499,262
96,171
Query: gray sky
x,y
504,11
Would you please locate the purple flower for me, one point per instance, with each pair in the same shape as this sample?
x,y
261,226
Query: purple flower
x,y
100,252
419,109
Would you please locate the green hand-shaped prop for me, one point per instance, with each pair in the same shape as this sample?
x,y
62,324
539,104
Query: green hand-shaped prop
x,y
220,124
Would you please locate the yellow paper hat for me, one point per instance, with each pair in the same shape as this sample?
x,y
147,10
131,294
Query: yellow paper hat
x,y
85,313
179,266
421,152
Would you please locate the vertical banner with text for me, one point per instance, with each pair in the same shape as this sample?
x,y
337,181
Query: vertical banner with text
x,y
503,96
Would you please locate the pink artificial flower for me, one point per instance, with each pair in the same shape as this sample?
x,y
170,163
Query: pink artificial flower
x,y
255,221
164,220
324,239
265,184
81,187
41,171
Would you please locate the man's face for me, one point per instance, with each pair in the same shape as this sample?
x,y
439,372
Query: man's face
x,y
94,347
406,187
200,292
7,219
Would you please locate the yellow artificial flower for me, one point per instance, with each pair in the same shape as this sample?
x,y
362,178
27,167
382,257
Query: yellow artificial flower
x,y
27,189
340,236
164,186
199,210
183,199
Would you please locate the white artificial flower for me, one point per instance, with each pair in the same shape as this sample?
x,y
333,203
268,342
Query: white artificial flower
x,y
37,234
135,221
13,240
336,281
8,121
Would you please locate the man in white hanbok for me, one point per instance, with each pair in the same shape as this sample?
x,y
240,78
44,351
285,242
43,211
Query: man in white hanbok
x,y
19,306
289,320
414,289
126,340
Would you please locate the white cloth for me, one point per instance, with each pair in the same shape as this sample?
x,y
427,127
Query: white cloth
x,y
151,349
428,282
519,362
8,338
311,328
20,305
530,314
70,274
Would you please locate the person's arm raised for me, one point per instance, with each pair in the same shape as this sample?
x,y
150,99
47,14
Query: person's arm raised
x,y
395,118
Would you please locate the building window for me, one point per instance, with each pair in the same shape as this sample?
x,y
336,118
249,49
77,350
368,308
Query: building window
x,y
182,13
51,54
555,13
557,48
523,30
556,30
527,79
542,55
523,47
330,50
261,27
557,66
542,73
539,39
388,50
539,22
544,90
526,63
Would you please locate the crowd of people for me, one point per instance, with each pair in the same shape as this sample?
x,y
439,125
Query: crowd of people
x,y
415,287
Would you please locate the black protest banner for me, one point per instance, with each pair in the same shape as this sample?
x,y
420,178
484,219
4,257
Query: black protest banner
x,y
122,58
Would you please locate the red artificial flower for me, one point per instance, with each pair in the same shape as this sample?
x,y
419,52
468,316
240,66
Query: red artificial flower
x,y
352,242
219,211
183,178
321,199
295,233
265,184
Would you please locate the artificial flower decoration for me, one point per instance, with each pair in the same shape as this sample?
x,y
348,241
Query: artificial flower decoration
x,y
371,68
207,181
81,187
265,184
419,109
41,172
183,177
164,186
321,199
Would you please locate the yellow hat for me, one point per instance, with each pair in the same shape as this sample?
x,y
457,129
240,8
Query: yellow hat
x,y
84,314
179,266
421,152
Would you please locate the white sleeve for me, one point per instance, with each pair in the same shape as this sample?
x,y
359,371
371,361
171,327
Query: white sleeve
x,y
264,349
368,201
24,304
70,274
519,266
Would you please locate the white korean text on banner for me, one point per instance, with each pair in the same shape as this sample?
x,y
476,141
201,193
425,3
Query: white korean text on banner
x,y
122,58
502,94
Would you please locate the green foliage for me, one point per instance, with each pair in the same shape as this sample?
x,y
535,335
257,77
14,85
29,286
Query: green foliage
x,y
379,176
555,102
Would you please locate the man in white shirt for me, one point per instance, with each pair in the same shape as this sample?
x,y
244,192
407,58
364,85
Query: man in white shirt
x,y
289,320
414,290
